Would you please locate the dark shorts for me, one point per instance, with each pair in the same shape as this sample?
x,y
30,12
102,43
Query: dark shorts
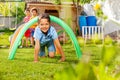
x,y
50,46
32,32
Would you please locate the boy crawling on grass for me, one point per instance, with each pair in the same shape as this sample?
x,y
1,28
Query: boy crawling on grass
x,y
46,35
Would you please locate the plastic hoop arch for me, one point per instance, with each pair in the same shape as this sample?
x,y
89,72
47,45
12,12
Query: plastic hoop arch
x,y
54,19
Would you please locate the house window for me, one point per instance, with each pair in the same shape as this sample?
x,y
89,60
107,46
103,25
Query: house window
x,y
52,12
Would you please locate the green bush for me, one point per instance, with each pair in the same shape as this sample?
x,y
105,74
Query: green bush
x,y
85,70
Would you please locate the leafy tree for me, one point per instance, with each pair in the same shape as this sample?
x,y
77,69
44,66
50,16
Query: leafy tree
x,y
20,12
14,9
4,9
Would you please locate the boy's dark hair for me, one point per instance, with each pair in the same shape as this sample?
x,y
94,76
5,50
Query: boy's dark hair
x,y
34,9
27,9
44,16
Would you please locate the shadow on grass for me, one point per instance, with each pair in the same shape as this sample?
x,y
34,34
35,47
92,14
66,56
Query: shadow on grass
x,y
54,60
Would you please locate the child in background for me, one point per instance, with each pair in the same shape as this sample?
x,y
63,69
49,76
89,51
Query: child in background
x,y
46,35
27,33
34,13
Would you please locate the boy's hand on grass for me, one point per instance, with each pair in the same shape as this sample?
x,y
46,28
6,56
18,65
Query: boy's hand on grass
x,y
35,61
62,59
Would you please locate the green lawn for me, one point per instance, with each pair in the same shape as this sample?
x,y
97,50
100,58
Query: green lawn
x,y
23,67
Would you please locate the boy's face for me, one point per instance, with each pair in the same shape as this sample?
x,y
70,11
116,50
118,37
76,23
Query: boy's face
x,y
34,13
44,25
27,13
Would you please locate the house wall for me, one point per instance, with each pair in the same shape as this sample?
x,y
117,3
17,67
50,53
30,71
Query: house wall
x,y
67,13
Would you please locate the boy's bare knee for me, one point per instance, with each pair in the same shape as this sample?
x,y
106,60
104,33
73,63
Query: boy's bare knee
x,y
51,54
